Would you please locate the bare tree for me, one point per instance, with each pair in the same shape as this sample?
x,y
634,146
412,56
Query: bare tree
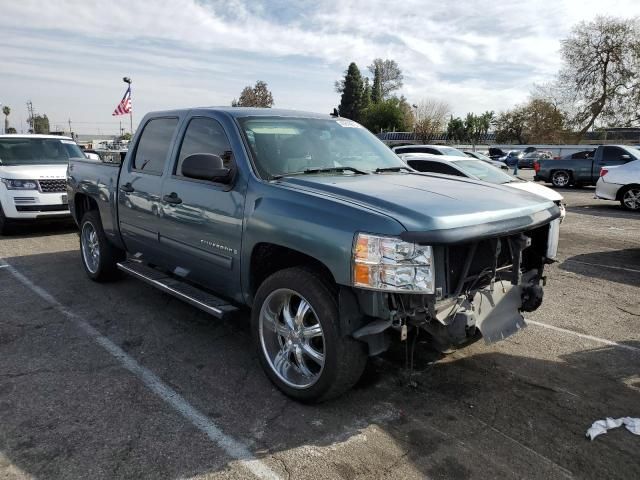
x,y
430,118
390,76
601,72
257,96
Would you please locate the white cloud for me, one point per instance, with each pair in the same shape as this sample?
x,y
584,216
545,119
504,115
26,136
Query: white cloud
x,y
69,56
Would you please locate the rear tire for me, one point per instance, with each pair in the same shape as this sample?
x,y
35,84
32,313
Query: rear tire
x,y
99,256
561,178
304,354
630,198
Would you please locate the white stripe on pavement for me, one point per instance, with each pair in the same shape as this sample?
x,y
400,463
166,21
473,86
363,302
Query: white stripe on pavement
x,y
232,447
582,335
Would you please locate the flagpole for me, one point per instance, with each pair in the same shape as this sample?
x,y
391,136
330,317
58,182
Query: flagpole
x,y
128,81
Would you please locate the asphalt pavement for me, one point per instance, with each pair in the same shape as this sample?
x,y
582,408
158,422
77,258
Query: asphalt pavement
x,y
119,380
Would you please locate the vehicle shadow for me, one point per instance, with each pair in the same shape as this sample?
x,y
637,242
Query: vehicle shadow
x,y
67,408
39,229
621,266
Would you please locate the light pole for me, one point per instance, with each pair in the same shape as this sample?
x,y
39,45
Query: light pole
x,y
127,80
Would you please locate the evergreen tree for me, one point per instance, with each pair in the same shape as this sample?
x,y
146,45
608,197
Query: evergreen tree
x,y
351,102
376,91
366,96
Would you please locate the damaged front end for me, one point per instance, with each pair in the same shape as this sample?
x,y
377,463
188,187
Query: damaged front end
x,y
480,287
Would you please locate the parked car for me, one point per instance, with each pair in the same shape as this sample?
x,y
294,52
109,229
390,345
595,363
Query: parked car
x,y
496,153
484,158
585,171
478,170
336,245
621,183
512,157
32,177
432,149
528,160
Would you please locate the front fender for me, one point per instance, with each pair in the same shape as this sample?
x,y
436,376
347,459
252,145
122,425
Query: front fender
x,y
316,225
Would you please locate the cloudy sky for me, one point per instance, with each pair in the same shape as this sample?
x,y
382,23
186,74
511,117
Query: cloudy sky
x,y
68,57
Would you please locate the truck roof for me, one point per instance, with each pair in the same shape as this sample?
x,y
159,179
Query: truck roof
x,y
35,135
248,112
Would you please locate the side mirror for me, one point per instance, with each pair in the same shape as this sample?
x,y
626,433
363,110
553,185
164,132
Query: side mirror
x,y
205,166
625,157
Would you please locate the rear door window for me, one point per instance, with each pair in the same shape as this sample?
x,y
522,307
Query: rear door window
x,y
613,154
154,144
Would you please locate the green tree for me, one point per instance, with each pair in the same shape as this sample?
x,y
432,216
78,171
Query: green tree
x,y
390,76
537,121
456,131
40,124
376,91
388,115
601,72
352,101
6,111
11,130
256,96
366,94
125,136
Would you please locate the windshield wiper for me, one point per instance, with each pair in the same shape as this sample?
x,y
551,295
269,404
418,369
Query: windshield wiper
x,y
391,169
309,171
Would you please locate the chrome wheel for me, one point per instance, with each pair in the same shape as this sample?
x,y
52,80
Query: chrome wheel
x,y
90,247
292,338
631,199
560,179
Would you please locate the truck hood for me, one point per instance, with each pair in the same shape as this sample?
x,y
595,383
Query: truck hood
x,y
33,172
436,203
541,190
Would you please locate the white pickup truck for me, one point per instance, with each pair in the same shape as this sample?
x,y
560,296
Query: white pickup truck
x,y
33,182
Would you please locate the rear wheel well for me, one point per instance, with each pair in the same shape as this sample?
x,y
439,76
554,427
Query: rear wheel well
x,y
625,188
267,259
83,204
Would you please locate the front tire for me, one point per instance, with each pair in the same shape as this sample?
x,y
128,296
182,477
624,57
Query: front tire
x,y
630,198
561,178
99,256
296,330
4,226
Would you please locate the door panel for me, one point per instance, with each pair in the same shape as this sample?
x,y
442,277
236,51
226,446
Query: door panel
x,y
139,199
202,234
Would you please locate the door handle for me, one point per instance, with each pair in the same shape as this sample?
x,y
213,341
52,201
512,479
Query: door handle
x,y
127,188
173,198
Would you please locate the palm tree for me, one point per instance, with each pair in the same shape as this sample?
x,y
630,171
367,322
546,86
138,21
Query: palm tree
x,y
6,111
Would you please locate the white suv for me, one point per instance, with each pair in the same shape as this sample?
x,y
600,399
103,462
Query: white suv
x,y
33,177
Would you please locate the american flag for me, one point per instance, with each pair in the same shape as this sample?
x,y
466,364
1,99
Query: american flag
x,y
124,106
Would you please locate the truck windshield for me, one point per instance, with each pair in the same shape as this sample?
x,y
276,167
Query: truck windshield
x,y
37,151
288,145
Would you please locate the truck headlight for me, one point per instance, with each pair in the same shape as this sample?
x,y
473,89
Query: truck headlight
x,y
390,264
20,184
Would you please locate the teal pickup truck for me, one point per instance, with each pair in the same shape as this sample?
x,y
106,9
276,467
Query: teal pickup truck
x,y
583,171
336,246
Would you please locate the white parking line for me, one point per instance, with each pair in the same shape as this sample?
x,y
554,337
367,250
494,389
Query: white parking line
x,y
603,266
582,335
232,447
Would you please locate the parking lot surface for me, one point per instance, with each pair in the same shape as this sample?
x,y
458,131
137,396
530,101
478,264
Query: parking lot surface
x,y
121,381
